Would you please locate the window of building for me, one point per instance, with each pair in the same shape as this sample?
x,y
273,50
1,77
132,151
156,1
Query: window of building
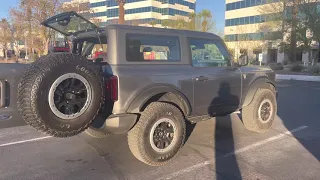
x,y
232,22
253,3
251,19
152,48
248,3
247,20
228,7
238,5
258,2
208,53
236,21
227,22
257,19
242,21
233,6
243,4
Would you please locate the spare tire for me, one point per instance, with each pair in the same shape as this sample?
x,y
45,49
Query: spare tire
x,y
60,94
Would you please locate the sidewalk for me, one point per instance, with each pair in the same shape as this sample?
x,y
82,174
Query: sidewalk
x,y
298,77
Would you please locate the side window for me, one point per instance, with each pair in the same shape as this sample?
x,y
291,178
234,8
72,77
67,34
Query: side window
x,y
152,48
208,53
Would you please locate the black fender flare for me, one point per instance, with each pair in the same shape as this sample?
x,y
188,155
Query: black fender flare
x,y
142,98
254,86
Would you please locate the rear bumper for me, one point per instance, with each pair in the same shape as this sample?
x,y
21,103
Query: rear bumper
x,y
119,124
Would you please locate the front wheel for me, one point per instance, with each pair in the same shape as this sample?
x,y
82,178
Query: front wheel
x,y
259,115
158,135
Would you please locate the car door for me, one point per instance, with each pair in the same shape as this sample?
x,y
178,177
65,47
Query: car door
x,y
217,84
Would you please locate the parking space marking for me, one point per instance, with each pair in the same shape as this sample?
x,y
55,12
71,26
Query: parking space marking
x,y
238,151
25,141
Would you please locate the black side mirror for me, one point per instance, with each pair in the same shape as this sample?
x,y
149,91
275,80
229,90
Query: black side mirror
x,y
243,61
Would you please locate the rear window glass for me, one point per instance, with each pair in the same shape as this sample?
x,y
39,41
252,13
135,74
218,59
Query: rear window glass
x,y
152,48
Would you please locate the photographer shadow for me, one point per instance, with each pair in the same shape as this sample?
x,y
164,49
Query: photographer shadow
x,y
226,167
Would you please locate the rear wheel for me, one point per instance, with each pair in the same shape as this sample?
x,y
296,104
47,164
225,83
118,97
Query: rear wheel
x,y
259,115
60,94
158,135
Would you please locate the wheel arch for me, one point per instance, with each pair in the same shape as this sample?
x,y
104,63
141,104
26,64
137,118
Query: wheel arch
x,y
254,86
165,93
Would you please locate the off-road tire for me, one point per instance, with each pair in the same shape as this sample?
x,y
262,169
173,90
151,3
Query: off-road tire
x,y
250,116
139,135
34,87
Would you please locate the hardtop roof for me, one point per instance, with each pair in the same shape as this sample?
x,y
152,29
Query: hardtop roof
x,y
161,31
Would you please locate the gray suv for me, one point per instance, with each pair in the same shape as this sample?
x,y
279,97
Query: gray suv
x,y
147,82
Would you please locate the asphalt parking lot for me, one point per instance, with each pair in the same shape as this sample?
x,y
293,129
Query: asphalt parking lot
x,y
217,149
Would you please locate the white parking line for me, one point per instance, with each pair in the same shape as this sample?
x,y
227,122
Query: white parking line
x,y
205,163
25,141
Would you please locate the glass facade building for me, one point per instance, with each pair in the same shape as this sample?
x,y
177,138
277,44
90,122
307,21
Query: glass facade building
x,y
155,10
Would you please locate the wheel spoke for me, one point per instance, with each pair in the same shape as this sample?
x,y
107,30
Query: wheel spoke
x,y
164,125
66,83
60,105
72,83
170,130
162,144
158,144
81,90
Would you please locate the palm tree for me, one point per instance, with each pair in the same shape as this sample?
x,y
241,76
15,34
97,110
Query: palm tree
x,y
205,16
192,17
121,4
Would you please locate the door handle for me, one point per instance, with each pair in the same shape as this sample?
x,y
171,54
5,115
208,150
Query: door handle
x,y
202,78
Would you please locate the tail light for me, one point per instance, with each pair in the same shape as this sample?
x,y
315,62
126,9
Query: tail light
x,y
112,88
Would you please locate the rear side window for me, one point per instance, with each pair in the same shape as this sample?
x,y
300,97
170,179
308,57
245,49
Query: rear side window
x,y
152,48
208,53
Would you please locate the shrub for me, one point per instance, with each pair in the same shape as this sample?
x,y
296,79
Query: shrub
x,y
285,62
315,70
277,66
297,68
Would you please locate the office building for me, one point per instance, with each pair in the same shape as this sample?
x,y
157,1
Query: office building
x,y
142,12
244,32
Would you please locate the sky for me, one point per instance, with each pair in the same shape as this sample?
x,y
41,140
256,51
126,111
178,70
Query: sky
x,y
217,8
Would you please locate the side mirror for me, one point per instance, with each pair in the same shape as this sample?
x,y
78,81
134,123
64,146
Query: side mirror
x,y
243,61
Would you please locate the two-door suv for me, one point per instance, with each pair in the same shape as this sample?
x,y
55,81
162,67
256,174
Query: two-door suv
x,y
147,82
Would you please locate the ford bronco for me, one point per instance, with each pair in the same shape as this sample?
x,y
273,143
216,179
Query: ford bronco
x,y
147,82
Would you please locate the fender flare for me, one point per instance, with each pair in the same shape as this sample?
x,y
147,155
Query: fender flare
x,y
141,99
254,86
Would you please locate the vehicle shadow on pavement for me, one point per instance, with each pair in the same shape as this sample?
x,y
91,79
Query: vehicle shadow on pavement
x,y
226,167
304,111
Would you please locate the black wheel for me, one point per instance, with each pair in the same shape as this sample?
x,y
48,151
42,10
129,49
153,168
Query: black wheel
x,y
60,94
158,135
259,115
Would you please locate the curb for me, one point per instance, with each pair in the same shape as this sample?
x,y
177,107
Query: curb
x,y
298,77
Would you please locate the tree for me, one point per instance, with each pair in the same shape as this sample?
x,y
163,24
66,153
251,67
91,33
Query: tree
x,y
31,13
121,4
206,20
282,17
18,35
5,36
192,24
309,10
153,23
196,22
